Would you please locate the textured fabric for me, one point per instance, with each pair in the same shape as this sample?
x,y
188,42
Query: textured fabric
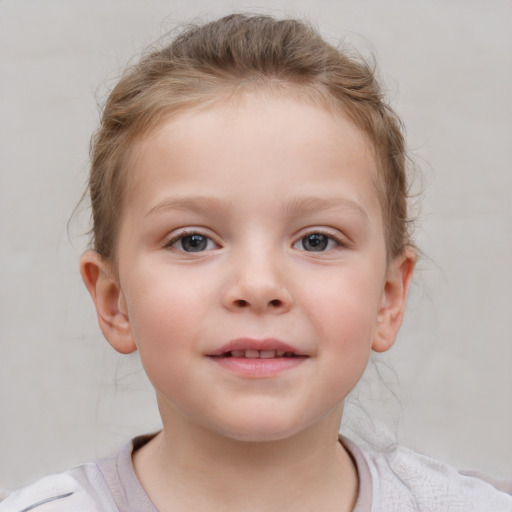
x,y
391,479
81,489
122,481
404,481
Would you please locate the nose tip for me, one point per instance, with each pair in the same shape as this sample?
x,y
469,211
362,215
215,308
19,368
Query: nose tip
x,y
258,293
257,279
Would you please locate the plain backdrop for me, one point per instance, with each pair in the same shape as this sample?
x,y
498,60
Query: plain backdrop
x,y
445,388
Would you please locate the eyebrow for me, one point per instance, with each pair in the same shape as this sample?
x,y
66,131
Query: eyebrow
x,y
312,204
197,204
293,207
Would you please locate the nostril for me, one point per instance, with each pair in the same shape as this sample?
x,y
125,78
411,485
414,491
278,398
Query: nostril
x,y
241,303
275,303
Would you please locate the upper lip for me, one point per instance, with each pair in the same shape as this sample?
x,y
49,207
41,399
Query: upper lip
x,y
256,344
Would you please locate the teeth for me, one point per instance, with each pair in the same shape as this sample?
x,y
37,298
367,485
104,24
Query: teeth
x,y
260,354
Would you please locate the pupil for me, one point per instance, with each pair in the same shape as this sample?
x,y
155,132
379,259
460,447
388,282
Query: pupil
x,y
194,243
315,242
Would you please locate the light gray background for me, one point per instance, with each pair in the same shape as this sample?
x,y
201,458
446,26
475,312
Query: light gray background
x,y
65,397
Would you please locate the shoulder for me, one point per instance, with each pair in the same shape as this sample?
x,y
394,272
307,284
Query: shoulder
x,y
81,489
403,480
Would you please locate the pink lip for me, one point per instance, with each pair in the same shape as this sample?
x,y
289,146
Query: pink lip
x,y
257,367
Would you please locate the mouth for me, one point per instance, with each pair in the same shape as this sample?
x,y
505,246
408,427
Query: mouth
x,y
248,348
258,354
254,359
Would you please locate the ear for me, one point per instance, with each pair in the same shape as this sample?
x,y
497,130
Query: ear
x,y
109,302
394,296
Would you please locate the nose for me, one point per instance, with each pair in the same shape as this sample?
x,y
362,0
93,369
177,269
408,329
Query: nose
x,y
257,284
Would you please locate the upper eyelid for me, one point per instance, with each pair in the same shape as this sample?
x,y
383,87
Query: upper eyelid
x,y
329,232
176,234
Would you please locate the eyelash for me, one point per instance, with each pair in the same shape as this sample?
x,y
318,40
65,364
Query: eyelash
x,y
329,238
339,242
189,234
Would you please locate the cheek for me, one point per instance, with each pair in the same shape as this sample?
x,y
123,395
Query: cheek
x,y
343,302
170,316
165,329
343,311
161,295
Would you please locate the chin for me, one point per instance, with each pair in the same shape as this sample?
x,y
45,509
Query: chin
x,y
260,432
259,437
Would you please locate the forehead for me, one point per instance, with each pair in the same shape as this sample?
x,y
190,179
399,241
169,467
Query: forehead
x,y
248,140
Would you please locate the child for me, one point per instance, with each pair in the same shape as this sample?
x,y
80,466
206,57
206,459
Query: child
x,y
250,240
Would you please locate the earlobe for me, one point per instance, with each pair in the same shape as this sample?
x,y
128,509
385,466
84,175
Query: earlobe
x,y
394,297
109,302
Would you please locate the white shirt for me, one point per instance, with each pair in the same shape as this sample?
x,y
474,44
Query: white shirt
x,y
394,479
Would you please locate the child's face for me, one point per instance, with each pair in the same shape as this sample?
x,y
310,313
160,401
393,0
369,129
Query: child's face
x,y
255,227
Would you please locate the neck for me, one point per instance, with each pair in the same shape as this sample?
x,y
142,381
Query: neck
x,y
187,467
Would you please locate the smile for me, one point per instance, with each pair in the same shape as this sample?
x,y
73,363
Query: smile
x,y
256,359
258,354
251,348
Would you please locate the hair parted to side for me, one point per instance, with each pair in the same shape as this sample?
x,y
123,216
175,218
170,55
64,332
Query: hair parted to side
x,y
224,58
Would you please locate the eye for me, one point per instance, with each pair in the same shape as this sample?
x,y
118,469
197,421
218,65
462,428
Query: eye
x,y
316,242
194,242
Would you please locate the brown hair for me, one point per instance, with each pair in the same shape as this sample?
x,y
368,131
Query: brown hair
x,y
221,58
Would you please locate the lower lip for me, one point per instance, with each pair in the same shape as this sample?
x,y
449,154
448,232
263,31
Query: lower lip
x,y
258,367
